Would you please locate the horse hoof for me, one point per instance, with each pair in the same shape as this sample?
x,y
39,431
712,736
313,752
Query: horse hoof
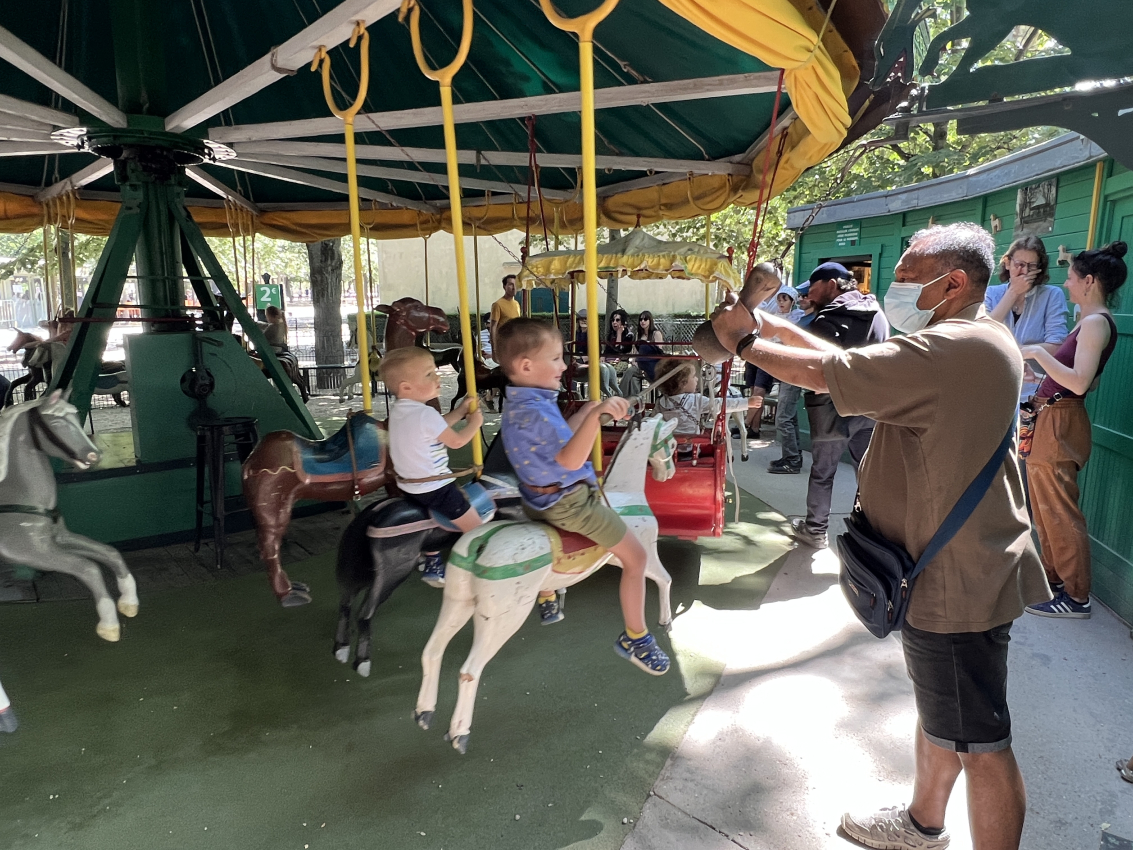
x,y
424,719
667,628
342,653
295,598
127,609
110,633
362,667
8,721
459,743
302,587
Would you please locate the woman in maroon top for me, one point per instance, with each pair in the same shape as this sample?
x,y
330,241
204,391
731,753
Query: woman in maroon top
x,y
1062,441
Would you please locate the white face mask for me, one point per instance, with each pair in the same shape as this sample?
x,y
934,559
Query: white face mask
x,y
901,305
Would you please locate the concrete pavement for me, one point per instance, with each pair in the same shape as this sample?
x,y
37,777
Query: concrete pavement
x,y
813,716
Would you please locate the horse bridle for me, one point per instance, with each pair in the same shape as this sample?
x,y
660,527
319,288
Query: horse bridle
x,y
40,426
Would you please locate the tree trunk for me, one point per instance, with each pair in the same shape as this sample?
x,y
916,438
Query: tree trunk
x,y
326,296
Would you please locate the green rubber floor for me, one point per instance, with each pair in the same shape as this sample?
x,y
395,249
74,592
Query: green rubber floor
x,y
222,721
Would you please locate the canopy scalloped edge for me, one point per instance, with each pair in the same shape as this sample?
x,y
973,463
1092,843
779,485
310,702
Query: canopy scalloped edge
x,y
636,255
818,79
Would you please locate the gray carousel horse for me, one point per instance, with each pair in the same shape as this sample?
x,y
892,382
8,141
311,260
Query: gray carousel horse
x,y
8,721
32,532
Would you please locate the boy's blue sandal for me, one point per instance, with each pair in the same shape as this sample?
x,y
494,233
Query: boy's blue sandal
x,y
434,574
1063,605
644,652
550,612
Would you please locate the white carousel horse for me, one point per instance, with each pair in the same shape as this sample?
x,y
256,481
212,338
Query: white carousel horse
x,y
8,721
496,571
32,532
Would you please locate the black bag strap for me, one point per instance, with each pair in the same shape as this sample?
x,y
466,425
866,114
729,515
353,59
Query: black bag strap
x,y
965,506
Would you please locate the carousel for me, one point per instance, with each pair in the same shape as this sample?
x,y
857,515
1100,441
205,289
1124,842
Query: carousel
x,y
158,124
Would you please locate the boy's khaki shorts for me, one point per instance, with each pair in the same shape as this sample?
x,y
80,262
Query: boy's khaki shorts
x,y
582,511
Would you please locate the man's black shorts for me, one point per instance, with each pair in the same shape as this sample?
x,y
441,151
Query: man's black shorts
x,y
449,501
756,377
960,685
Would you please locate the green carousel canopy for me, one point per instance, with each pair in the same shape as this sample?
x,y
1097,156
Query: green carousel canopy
x,y
685,92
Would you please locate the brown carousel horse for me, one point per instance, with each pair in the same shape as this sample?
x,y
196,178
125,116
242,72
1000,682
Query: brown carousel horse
x,y
284,468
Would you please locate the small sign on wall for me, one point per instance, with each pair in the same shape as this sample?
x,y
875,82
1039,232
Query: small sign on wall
x,y
848,234
1034,208
267,295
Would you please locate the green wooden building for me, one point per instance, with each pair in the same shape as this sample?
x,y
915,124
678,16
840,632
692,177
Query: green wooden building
x,y
1058,191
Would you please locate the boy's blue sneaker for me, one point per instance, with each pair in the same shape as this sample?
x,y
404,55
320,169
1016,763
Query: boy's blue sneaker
x,y
434,574
1062,606
550,612
644,652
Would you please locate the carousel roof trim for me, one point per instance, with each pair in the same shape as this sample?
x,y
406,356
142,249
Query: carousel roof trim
x,y
520,159
333,28
35,65
610,97
33,148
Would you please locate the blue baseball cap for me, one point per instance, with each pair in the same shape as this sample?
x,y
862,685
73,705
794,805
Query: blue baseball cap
x,y
803,288
830,271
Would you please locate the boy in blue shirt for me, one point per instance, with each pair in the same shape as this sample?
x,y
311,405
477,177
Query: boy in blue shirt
x,y
556,479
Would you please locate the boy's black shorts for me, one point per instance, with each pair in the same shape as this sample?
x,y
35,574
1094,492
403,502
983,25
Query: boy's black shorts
x,y
449,501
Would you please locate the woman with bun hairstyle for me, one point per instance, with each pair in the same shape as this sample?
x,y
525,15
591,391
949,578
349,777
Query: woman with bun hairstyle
x,y
1061,444
1034,311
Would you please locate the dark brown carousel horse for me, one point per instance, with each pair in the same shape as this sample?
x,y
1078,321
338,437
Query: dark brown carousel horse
x,y
285,468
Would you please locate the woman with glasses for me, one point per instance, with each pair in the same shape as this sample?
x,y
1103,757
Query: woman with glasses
x,y
619,342
1035,313
648,335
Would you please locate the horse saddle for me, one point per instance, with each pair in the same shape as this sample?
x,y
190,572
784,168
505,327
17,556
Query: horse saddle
x,y
571,552
332,458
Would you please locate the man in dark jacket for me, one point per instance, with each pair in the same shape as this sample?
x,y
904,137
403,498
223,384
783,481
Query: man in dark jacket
x,y
849,319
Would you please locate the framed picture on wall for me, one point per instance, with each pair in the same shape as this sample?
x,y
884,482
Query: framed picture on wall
x,y
1034,208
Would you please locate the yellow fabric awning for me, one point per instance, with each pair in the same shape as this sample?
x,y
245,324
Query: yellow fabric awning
x,y
636,255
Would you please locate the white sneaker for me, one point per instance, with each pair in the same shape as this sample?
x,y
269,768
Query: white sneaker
x,y
891,829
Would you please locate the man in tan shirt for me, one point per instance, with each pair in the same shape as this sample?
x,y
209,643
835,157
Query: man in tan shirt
x,y
504,309
943,396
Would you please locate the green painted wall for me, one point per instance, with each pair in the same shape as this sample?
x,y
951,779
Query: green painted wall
x,y
1107,481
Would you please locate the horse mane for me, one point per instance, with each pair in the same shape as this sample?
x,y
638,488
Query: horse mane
x,y
9,419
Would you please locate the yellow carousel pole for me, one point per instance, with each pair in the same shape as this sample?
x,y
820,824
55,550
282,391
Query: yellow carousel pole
x,y
583,26
708,284
347,116
444,76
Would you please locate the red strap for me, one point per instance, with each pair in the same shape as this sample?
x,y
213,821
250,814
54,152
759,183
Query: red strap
x,y
764,188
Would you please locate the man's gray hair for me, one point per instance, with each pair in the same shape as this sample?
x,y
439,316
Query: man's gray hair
x,y
964,245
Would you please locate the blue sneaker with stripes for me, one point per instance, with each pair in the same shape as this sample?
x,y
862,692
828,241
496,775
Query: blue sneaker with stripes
x,y
434,574
644,652
1062,606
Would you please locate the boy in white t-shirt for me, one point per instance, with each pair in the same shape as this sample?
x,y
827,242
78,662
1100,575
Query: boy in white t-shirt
x,y
419,440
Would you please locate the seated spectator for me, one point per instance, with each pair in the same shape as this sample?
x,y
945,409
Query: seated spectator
x,y
648,335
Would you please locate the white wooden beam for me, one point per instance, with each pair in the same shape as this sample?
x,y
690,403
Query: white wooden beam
x,y
92,172
338,166
293,55
18,122
302,178
33,148
495,110
383,153
15,106
213,185
14,134
35,65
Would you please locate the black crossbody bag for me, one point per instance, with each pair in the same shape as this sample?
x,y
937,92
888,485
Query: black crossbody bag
x,y
877,575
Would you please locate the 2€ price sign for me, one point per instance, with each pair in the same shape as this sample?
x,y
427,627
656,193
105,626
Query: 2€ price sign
x,y
267,295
